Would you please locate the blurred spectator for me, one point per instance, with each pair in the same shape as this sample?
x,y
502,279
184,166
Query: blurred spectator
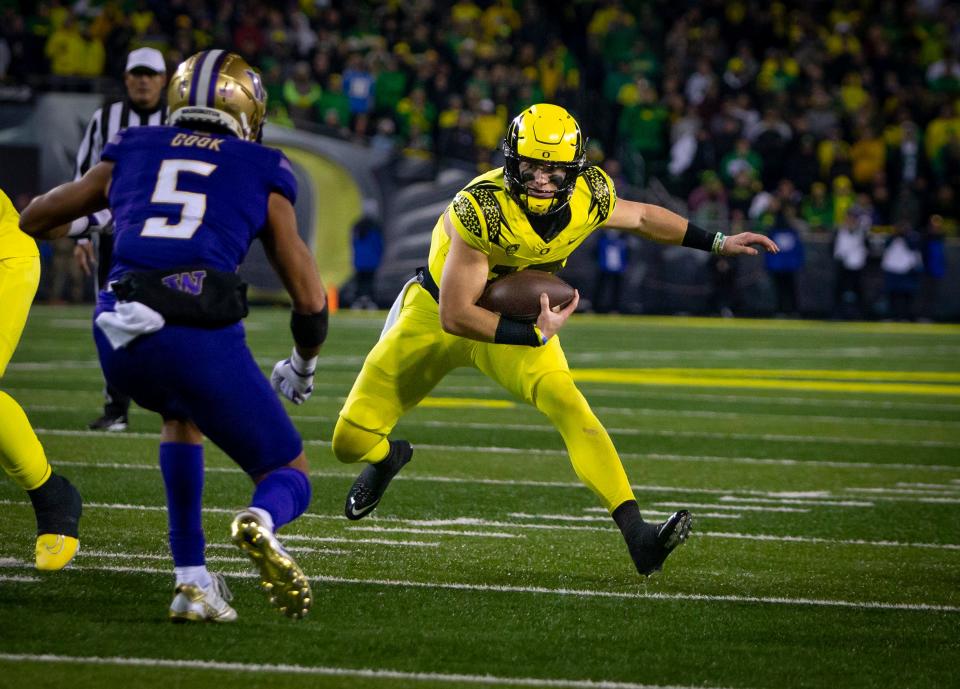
x,y
301,94
867,156
708,203
367,245
641,131
800,164
905,162
66,49
612,253
850,251
724,272
334,99
741,159
358,85
778,223
842,198
901,266
67,280
817,208
934,268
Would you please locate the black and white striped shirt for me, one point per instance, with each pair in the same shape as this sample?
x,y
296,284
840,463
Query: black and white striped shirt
x,y
106,122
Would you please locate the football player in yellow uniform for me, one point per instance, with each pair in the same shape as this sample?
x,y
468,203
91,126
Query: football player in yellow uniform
x,y
56,502
530,214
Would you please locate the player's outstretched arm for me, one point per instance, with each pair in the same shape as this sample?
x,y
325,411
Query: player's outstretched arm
x,y
49,215
665,226
297,269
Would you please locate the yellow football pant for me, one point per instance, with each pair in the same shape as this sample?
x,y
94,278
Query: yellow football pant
x,y
415,354
21,454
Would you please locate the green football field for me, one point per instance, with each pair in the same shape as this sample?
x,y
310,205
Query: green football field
x,y
821,462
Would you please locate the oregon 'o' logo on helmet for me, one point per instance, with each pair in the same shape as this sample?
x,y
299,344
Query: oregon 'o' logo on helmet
x,y
543,134
218,88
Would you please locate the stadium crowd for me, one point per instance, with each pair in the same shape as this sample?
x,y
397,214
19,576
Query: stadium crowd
x,y
788,118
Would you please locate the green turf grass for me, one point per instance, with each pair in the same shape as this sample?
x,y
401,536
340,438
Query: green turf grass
x,y
826,550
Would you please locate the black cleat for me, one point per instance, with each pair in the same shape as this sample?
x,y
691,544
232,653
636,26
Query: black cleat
x,y
372,482
660,541
109,422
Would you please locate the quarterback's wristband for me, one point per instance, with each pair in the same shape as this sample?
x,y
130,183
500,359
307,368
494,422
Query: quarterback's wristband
x,y
543,338
698,238
717,246
517,333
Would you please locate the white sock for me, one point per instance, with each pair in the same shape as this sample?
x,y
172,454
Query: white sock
x,y
196,574
264,516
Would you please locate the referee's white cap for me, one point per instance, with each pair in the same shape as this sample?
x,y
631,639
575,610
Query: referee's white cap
x,y
149,58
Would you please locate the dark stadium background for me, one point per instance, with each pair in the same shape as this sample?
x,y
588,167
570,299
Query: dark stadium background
x,y
410,100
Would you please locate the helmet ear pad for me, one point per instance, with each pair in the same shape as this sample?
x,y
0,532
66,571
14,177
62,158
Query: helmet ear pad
x,y
543,134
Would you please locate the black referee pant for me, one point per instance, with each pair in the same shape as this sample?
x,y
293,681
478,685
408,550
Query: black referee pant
x,y
116,404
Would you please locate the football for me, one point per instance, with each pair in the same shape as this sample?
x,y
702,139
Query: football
x,y
517,295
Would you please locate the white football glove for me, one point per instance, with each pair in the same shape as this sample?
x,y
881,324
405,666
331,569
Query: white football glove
x,y
293,377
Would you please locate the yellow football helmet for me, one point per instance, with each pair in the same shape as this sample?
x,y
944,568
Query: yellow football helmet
x,y
219,88
543,135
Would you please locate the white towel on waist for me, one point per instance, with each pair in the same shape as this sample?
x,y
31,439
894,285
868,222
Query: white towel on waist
x,y
130,320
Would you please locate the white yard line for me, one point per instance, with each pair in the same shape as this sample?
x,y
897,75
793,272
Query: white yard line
x,y
826,541
744,508
932,487
329,671
797,501
773,497
778,461
578,593
647,514
361,541
432,527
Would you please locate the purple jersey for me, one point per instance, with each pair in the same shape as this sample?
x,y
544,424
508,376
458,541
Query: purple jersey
x,y
186,198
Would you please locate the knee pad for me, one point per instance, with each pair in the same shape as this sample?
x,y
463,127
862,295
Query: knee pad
x,y
353,444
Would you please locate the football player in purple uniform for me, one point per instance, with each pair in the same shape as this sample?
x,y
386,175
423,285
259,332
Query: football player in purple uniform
x,y
188,200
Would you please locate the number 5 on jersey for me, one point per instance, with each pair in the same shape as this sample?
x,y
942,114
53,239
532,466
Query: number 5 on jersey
x,y
193,205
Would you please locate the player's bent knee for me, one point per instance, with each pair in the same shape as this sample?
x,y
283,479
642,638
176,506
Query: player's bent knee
x,y
352,443
300,464
556,393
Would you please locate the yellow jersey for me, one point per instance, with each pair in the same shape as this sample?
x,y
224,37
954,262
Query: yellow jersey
x,y
489,220
13,242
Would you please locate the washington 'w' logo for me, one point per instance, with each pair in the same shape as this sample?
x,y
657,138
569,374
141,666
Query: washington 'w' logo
x,y
190,282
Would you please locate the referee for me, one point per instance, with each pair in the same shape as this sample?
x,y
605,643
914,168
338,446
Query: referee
x,y
144,78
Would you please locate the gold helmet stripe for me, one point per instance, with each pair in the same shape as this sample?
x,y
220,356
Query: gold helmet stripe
x,y
206,82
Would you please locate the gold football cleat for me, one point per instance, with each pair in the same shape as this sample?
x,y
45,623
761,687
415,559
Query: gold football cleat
x,y
193,603
280,576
